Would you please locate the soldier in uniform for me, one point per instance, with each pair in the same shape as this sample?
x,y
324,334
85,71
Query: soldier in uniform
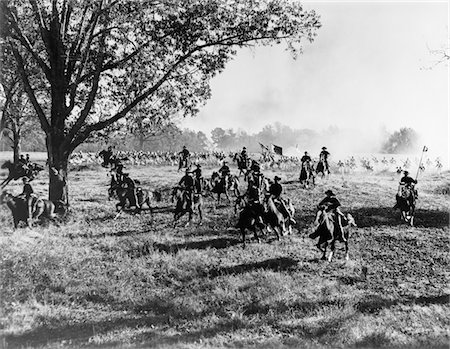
x,y
225,173
331,204
275,191
198,179
323,156
187,183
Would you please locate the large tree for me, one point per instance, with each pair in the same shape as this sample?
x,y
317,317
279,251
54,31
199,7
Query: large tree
x,y
115,54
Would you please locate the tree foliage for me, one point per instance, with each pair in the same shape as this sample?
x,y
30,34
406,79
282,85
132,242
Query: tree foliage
x,y
113,55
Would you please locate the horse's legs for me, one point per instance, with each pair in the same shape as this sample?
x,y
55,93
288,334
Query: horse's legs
x,y
333,246
323,250
346,250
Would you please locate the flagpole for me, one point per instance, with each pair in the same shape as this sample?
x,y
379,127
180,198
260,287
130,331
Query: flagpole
x,y
420,162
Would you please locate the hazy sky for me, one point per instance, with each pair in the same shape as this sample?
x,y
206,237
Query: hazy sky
x,y
367,69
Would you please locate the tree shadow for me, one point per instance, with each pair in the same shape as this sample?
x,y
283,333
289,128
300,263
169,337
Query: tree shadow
x,y
276,264
218,243
382,216
374,304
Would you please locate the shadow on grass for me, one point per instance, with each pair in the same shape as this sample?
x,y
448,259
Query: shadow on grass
x,y
375,304
277,264
218,243
382,216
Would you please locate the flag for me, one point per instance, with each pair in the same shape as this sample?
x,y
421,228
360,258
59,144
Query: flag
x,y
277,150
425,148
263,147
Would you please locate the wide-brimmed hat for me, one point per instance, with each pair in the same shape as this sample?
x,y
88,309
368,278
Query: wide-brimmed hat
x,y
329,192
276,178
406,172
324,148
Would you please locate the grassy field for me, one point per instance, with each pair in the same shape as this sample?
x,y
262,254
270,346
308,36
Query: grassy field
x,y
137,282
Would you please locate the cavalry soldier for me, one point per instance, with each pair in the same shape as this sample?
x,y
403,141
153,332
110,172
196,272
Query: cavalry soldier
x,y
119,175
130,184
187,183
254,203
225,173
184,157
106,155
407,182
244,155
28,195
255,171
323,156
198,179
306,158
331,204
275,191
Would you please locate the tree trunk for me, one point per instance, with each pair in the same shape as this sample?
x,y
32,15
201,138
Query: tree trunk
x,y
58,158
17,147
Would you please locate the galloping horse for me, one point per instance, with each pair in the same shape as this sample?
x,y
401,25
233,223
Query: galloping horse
x,y
326,233
242,164
17,172
307,175
322,169
125,196
184,205
40,208
218,186
406,202
275,218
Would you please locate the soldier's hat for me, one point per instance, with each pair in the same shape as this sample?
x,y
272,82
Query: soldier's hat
x,y
324,148
406,172
329,192
199,165
276,178
244,148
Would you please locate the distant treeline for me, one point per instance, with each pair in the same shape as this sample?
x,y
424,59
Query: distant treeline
x,y
402,141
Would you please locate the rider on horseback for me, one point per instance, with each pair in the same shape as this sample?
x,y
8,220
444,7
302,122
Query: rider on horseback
x,y
106,155
255,171
306,158
331,204
29,196
184,157
406,182
130,184
254,203
323,157
198,179
275,191
187,183
225,173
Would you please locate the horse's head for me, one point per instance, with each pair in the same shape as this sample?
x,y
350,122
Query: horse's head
x,y
7,164
350,220
5,196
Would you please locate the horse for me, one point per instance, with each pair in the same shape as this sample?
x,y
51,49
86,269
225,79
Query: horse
x,y
326,233
125,196
41,208
184,205
322,168
16,172
248,220
406,202
218,186
275,218
307,175
183,162
242,164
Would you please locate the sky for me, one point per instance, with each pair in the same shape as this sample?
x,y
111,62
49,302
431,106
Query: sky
x,y
370,68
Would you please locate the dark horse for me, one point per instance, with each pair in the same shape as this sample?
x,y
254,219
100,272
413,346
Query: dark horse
x,y
125,196
16,171
183,205
327,232
307,175
322,168
219,186
242,164
21,212
406,202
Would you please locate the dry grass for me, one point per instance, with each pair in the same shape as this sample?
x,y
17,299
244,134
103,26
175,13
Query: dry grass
x,y
139,282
